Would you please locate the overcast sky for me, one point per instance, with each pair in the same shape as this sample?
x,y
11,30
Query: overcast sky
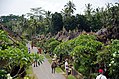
x,y
19,7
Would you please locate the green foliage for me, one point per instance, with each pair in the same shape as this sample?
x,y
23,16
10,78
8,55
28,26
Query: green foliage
x,y
109,56
3,36
50,40
53,44
93,17
15,55
69,9
48,45
3,74
68,46
43,22
70,23
63,48
83,49
57,23
114,63
82,22
85,52
71,77
47,42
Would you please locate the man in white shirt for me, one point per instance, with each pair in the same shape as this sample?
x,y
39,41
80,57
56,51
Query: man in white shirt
x,y
66,67
101,76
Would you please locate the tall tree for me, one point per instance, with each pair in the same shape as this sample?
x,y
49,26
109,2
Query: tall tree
x,y
57,23
37,13
70,23
82,22
68,9
47,21
68,19
9,21
36,19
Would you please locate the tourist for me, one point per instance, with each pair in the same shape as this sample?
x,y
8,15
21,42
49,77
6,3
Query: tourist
x,y
101,76
53,65
66,67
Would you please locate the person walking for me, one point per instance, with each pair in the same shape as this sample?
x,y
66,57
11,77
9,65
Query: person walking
x,y
101,76
35,50
39,50
66,68
53,65
32,44
29,51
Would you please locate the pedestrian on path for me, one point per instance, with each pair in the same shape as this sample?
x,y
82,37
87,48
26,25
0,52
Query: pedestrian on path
x,y
53,65
29,51
35,59
66,68
28,45
35,63
39,50
101,76
32,45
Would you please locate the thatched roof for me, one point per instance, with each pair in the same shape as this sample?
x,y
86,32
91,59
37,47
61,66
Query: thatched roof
x,y
64,35
101,31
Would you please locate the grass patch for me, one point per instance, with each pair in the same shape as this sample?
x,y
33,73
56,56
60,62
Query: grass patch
x,y
59,70
30,74
71,77
29,71
47,56
49,60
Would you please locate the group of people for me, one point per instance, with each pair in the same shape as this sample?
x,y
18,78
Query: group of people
x,y
100,76
54,64
32,48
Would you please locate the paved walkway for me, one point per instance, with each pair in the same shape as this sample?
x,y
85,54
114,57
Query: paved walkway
x,y
44,71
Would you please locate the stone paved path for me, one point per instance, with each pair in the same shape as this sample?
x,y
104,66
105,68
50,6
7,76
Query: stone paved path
x,y
44,71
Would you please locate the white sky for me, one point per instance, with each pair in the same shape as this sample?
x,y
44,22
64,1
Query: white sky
x,y
19,7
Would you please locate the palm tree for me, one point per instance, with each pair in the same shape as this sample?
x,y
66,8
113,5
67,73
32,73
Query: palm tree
x,y
88,11
69,9
37,13
36,18
47,20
